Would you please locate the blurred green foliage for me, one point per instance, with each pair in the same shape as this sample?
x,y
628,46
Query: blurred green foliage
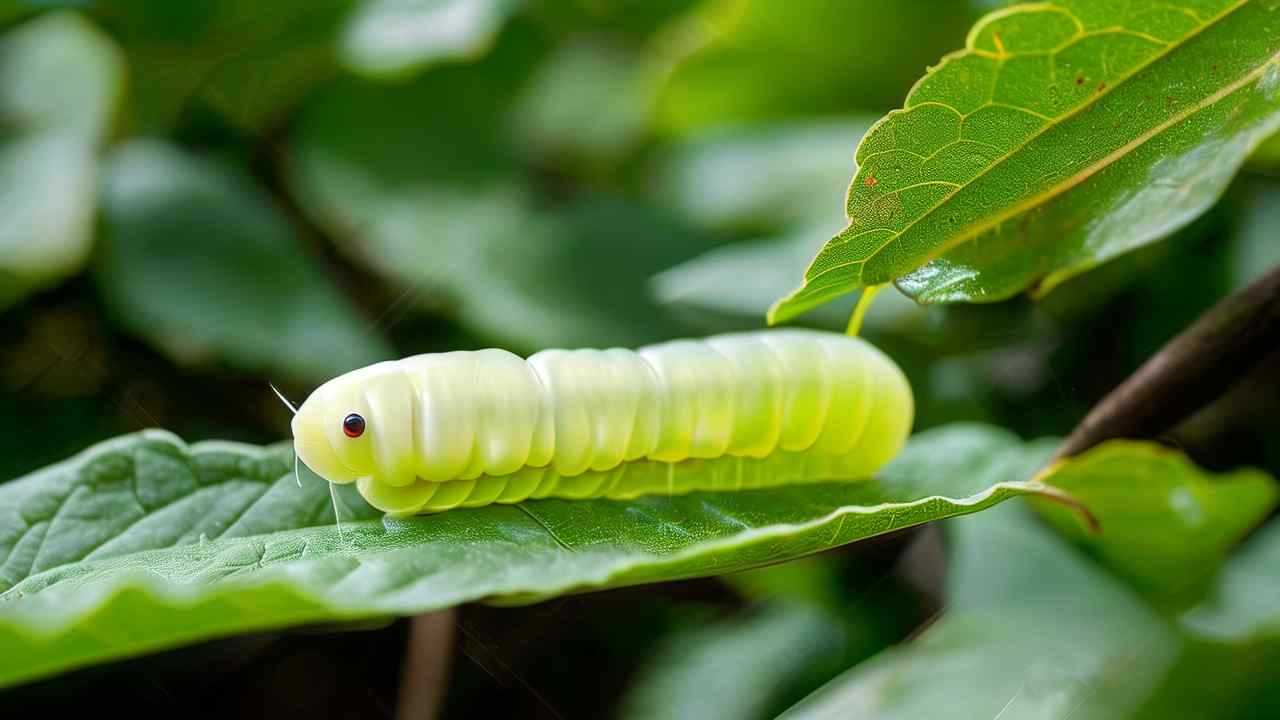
x,y
201,198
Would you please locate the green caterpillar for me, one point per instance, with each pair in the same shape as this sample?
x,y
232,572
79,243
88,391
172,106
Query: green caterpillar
x,y
467,428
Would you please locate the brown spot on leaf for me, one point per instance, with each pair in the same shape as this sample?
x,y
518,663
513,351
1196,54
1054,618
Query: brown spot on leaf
x,y
871,181
1079,79
1102,85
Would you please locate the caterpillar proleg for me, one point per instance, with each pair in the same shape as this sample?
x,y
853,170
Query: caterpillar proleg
x,y
741,410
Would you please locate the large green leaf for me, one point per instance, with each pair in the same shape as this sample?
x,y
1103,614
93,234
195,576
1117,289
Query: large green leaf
x,y
1065,134
198,260
1165,523
144,542
1032,630
49,145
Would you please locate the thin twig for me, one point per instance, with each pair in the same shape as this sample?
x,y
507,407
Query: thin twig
x,y
1192,370
425,677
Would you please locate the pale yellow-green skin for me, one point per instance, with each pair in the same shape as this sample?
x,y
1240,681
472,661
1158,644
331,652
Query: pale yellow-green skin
x,y
733,411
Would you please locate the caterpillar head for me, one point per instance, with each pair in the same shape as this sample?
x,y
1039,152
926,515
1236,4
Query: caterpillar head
x,y
359,425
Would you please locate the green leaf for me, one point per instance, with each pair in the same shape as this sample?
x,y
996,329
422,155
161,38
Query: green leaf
x,y
1065,134
814,580
48,147
1220,681
144,543
1228,667
736,62
1254,250
437,203
1166,524
239,287
390,38
631,21
65,51
586,104
1031,630
1267,156
741,280
1242,604
742,668
249,61
764,179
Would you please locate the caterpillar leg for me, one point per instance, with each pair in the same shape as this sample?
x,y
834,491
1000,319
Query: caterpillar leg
x,y
627,481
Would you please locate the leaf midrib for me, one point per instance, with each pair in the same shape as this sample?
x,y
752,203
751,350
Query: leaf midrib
x,y
981,227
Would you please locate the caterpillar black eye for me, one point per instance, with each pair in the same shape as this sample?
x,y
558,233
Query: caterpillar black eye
x,y
353,425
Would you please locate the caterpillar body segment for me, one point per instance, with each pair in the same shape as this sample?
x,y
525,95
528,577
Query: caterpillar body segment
x,y
740,410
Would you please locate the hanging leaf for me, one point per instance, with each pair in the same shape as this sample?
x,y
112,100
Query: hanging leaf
x,y
1065,134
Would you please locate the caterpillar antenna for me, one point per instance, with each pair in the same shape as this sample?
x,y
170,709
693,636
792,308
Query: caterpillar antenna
x,y
283,399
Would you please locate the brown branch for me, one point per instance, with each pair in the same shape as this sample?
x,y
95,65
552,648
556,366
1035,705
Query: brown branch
x,y
425,675
1192,370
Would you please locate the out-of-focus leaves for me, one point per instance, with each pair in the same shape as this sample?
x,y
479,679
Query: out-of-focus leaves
x,y
812,580
396,37
1166,523
359,149
1037,153
763,179
200,263
437,202
1242,605
1229,665
737,61
578,277
741,280
1267,156
807,620
587,103
60,82
741,668
145,542
1221,681
632,21
59,73
249,60
1032,630
1255,249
